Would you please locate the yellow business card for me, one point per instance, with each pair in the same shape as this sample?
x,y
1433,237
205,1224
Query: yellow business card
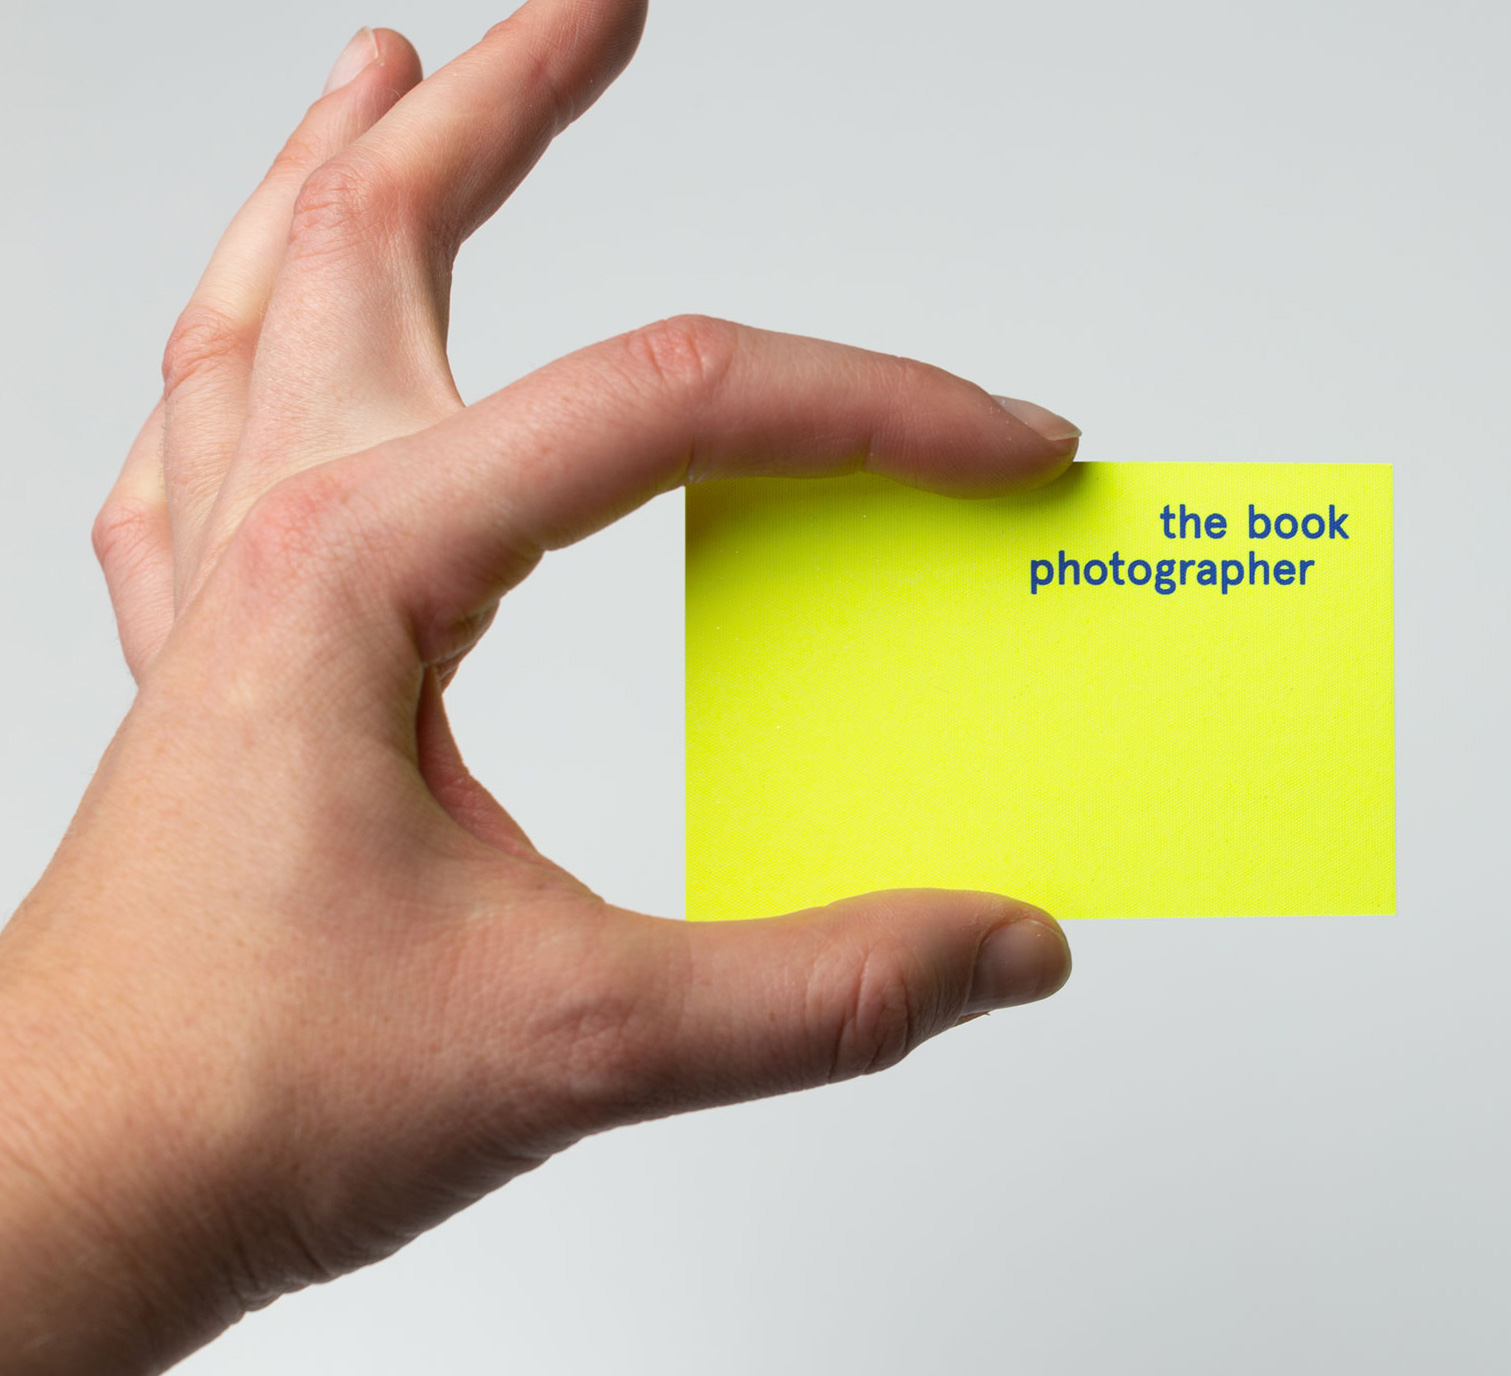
x,y
1145,690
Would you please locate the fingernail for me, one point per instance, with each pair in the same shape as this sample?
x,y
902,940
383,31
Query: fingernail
x,y
355,58
1023,961
1056,429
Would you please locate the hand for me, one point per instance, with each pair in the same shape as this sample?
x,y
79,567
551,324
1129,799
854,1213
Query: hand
x,y
295,987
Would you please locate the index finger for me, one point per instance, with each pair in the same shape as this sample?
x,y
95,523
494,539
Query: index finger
x,y
579,443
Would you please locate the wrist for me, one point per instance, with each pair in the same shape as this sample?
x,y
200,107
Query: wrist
x,y
110,1253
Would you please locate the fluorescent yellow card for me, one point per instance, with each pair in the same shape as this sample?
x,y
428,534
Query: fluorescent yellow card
x,y
1146,690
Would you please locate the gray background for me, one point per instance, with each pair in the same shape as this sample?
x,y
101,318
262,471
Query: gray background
x,y
1203,231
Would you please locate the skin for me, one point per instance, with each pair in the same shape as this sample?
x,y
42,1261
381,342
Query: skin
x,y
296,987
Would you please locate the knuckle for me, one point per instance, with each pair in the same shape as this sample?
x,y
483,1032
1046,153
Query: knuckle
x,y
341,202
294,533
570,71
298,157
688,355
122,532
543,61
882,1019
203,339
912,376
501,29
605,1039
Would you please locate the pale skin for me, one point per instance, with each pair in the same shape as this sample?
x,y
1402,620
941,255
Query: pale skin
x,y
295,987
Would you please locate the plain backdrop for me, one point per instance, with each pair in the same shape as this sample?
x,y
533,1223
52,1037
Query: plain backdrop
x,y
1202,230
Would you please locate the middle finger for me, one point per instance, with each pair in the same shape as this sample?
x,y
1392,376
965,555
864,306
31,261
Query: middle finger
x,y
354,342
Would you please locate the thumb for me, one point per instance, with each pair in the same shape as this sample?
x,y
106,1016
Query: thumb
x,y
789,1002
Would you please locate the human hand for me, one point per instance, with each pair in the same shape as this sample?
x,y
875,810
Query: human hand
x,y
296,987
